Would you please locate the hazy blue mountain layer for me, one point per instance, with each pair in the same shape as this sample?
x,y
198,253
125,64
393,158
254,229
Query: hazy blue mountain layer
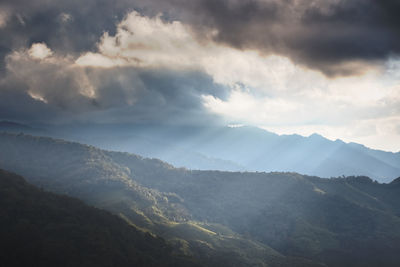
x,y
232,148
239,149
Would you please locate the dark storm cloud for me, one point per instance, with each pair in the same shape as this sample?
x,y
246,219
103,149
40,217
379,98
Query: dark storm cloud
x,y
65,26
321,34
161,95
18,105
56,90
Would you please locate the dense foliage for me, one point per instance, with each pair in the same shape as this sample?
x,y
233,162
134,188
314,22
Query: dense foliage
x,y
38,228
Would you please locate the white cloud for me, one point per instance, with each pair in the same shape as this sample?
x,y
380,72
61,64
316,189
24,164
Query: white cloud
x,y
146,42
40,51
98,60
245,108
36,96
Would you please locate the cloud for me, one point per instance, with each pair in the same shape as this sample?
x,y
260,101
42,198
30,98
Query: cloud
x,y
67,27
146,42
336,37
53,80
39,51
59,90
257,62
3,17
65,17
149,42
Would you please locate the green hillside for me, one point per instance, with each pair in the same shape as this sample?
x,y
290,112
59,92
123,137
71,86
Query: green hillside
x,y
44,229
223,218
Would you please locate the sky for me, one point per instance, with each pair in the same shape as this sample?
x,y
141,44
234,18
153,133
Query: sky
x,y
289,66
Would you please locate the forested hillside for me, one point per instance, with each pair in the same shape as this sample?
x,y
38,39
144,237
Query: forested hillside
x,y
231,218
44,229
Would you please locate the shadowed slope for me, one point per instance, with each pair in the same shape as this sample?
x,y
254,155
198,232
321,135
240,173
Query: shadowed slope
x,y
44,229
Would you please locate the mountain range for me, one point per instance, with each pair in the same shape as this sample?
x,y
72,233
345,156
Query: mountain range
x,y
232,149
222,218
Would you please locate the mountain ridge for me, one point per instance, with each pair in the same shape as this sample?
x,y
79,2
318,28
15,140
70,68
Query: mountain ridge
x,y
243,148
281,215
254,149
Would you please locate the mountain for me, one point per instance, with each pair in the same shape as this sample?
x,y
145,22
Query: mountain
x,y
236,149
223,218
239,149
39,228
95,177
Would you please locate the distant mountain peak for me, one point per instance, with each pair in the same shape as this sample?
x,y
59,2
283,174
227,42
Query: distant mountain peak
x,y
316,136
